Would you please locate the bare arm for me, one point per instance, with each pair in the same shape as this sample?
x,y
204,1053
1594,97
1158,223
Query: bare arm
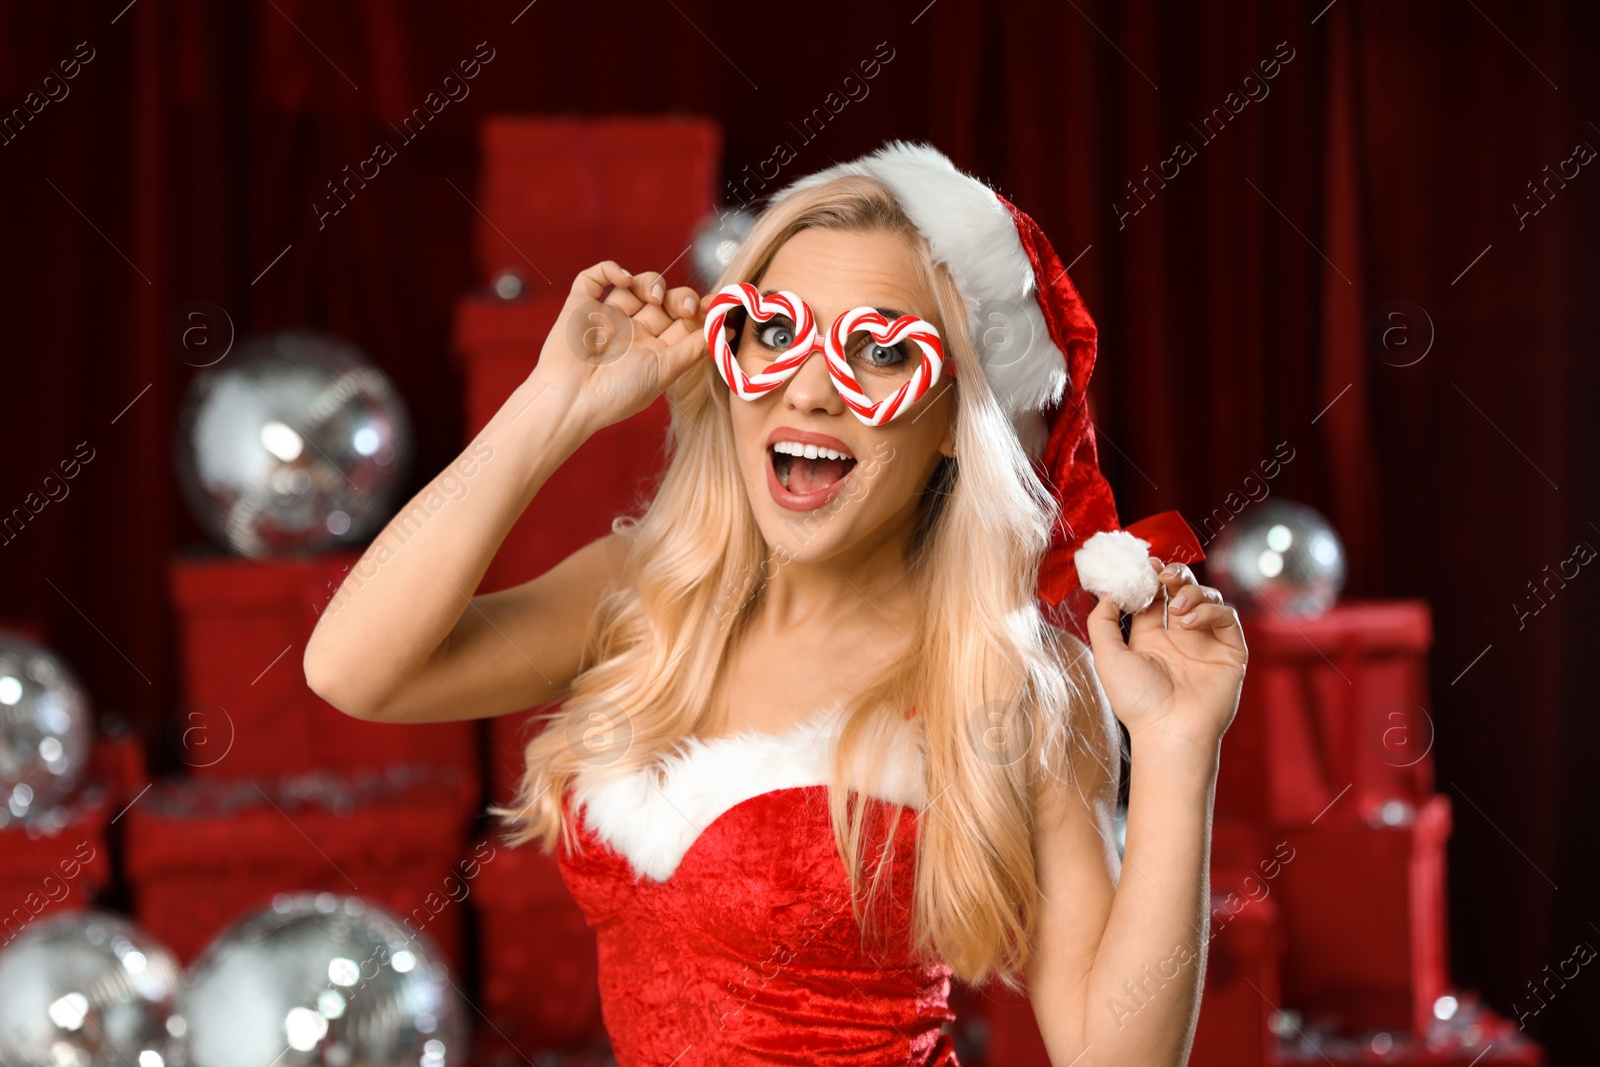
x,y
1120,955
404,639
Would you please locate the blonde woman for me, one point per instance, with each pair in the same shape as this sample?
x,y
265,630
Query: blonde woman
x,y
822,743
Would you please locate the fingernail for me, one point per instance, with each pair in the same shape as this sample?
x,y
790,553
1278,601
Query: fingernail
x,y
1189,619
1179,602
1170,570
688,303
656,290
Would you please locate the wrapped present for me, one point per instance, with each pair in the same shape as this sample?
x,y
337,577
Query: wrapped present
x,y
536,954
1242,961
1365,921
61,858
564,192
1333,721
201,853
243,626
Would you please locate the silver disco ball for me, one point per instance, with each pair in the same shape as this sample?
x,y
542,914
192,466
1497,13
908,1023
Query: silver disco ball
x,y
85,989
294,443
46,728
319,978
1278,555
716,240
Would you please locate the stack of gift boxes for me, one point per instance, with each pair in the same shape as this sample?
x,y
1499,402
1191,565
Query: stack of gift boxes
x,y
1330,839
279,791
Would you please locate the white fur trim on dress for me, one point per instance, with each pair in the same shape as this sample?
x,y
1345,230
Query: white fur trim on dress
x,y
652,816
1117,562
973,234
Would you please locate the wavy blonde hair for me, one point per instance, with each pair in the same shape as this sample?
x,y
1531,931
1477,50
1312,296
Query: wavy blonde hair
x,y
989,661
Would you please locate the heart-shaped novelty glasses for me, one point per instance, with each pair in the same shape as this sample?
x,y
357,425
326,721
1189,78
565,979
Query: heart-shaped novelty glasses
x,y
883,389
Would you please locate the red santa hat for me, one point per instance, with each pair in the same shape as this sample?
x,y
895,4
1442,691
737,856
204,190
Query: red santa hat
x,y
1001,262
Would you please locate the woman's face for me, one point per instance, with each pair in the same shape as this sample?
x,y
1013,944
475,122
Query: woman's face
x,y
814,509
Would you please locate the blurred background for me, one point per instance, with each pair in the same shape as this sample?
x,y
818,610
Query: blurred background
x,y
267,267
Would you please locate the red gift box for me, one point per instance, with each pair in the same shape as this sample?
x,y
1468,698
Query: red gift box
x,y
46,869
1364,919
1241,987
248,713
536,954
50,873
1010,1029
508,737
1332,721
201,854
560,194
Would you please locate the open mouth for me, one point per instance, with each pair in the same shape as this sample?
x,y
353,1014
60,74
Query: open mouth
x,y
806,470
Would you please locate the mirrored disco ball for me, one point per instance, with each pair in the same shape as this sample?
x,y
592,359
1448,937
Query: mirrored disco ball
x,y
85,989
46,729
508,284
319,978
294,443
717,239
1278,554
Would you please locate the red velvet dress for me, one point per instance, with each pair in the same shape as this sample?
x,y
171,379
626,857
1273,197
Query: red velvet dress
x,y
739,946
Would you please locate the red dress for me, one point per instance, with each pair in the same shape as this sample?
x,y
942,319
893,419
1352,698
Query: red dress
x,y
721,908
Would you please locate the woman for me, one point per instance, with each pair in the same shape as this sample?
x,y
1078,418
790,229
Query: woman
x,y
820,748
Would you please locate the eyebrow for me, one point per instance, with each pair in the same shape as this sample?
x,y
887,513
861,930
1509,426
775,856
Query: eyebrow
x,y
888,313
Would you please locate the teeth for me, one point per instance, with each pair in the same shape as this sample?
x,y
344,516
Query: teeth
x,y
795,448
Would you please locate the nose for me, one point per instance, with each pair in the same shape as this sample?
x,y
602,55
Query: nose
x,y
810,389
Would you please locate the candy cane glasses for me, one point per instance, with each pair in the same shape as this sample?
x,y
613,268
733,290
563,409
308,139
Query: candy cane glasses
x,y
880,368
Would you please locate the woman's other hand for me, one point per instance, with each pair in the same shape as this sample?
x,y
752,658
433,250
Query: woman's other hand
x,y
1179,676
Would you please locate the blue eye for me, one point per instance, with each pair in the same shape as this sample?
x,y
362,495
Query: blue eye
x,y
776,335
873,356
880,356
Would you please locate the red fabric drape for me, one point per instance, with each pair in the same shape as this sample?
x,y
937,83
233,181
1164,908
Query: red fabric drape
x,y
1234,306
1344,421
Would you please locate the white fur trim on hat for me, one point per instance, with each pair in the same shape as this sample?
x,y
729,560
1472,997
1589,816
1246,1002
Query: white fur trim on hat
x,y
970,231
1117,562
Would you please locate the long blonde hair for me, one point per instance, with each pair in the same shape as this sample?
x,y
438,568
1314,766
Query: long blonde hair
x,y
990,665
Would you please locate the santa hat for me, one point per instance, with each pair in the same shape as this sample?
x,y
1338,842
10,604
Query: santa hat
x,y
1001,262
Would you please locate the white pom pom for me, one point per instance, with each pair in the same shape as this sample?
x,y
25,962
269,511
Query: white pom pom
x,y
1117,562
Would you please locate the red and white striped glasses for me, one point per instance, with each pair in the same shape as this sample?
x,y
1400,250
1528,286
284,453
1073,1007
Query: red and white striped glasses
x,y
881,368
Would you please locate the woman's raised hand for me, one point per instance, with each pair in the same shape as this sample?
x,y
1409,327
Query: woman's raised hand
x,y
1179,676
607,359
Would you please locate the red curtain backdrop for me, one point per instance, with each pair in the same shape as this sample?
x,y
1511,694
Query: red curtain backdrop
x,y
1387,157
